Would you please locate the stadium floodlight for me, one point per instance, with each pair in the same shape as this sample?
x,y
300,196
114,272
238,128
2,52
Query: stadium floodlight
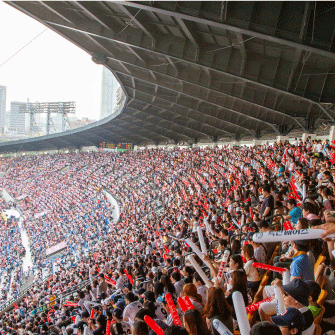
x,y
48,108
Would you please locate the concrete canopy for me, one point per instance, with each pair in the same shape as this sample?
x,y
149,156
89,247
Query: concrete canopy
x,y
204,70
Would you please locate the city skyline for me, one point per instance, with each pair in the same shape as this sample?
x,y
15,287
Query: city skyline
x,y
50,68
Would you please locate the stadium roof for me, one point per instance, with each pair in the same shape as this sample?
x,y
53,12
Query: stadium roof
x,y
200,69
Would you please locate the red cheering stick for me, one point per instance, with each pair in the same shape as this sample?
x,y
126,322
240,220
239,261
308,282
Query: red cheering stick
x,y
255,307
153,325
173,310
268,267
287,225
110,281
15,305
182,304
108,327
188,303
251,213
166,249
97,267
70,304
130,278
92,313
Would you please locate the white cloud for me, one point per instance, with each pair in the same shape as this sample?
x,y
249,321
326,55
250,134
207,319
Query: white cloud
x,y
49,69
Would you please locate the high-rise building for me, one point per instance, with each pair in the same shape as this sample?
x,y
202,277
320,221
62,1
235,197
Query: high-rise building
x,y
2,108
109,86
17,120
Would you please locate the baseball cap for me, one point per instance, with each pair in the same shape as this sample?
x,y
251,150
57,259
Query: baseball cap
x,y
291,318
120,305
298,290
117,312
265,328
302,242
84,314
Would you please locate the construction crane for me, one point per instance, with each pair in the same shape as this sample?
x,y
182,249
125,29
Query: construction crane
x,y
48,108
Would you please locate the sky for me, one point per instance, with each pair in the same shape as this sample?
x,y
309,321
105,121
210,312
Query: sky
x,y
49,69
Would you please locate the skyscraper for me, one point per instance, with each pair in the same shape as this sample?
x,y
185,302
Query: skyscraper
x,y
17,120
108,93
2,108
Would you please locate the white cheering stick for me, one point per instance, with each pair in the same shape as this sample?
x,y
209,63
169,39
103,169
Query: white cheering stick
x,y
241,313
290,235
201,273
202,241
195,249
236,223
221,328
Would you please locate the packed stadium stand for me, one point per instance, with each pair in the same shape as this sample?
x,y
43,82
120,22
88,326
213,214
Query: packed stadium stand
x,y
223,240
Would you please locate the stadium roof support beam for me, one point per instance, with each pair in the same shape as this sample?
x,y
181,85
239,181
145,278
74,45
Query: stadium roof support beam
x,y
168,58
167,121
178,124
216,91
189,35
141,25
208,102
197,111
231,28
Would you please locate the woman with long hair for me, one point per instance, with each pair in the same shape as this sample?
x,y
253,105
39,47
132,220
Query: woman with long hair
x,y
194,323
168,286
253,276
238,282
218,308
190,290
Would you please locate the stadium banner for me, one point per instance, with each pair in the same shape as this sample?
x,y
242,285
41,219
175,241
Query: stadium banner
x,y
55,248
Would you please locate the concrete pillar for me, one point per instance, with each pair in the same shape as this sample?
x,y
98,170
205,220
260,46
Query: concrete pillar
x,y
282,138
332,134
305,135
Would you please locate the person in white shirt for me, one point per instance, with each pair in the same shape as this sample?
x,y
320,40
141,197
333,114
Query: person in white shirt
x,y
201,287
177,282
131,309
253,276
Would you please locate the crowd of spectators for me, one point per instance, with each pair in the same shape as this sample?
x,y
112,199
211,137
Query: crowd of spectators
x,y
165,196
11,252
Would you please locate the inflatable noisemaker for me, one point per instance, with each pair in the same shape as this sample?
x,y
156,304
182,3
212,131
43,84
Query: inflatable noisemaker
x,y
70,304
223,263
110,281
290,235
108,327
251,213
255,307
221,328
92,313
287,225
241,313
188,303
195,250
182,304
173,310
153,325
201,273
286,277
130,278
268,267
202,241
236,223
279,301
